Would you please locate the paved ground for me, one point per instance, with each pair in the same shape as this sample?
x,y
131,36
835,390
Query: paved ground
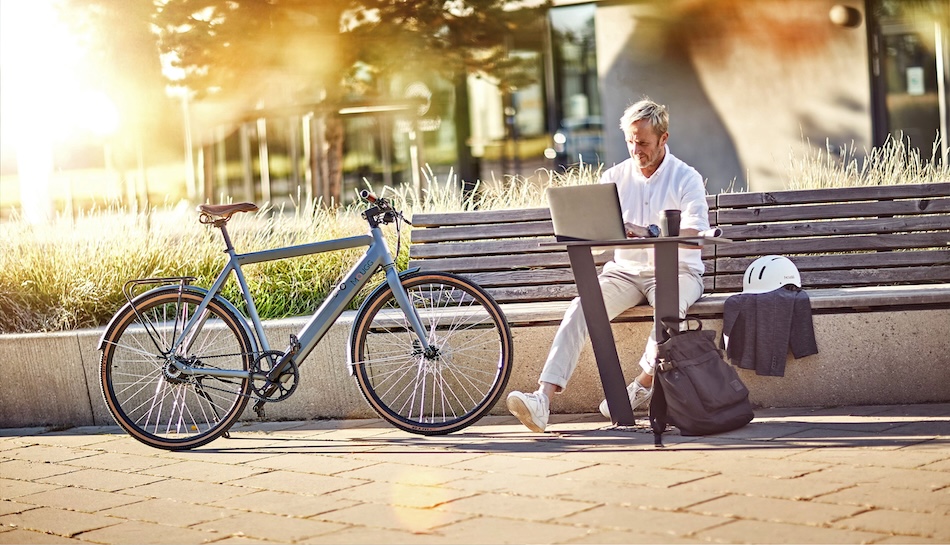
x,y
847,475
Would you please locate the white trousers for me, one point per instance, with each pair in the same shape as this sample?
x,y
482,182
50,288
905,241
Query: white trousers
x,y
622,290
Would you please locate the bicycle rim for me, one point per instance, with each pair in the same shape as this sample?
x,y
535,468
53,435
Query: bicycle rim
x,y
450,388
146,399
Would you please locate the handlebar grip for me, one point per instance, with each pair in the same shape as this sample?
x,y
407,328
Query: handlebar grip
x,y
366,195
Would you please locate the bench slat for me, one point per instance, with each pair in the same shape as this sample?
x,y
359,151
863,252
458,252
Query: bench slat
x,y
854,277
842,194
790,247
498,247
481,232
844,261
444,219
838,227
832,211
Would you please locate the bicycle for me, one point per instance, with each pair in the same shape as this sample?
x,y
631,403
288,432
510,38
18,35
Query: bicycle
x,y
431,351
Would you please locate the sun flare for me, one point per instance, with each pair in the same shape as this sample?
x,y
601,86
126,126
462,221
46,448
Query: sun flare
x,y
43,99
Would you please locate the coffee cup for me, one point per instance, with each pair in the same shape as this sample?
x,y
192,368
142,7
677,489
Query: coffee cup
x,y
670,223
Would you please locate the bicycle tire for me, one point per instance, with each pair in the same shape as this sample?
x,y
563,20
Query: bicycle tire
x,y
439,393
164,411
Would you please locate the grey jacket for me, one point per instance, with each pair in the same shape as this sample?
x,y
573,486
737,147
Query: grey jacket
x,y
762,327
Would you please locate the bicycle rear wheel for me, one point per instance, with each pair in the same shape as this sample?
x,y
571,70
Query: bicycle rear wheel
x,y
454,384
147,397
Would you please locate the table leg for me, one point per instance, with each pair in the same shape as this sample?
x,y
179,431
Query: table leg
x,y
601,336
666,301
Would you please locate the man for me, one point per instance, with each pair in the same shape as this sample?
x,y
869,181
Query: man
x,y
650,181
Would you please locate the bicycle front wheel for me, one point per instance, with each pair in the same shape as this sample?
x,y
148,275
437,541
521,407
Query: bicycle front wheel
x,y
147,396
461,376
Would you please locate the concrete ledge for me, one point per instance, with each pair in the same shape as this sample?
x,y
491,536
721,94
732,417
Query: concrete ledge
x,y
892,357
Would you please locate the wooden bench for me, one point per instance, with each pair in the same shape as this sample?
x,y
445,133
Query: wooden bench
x,y
857,249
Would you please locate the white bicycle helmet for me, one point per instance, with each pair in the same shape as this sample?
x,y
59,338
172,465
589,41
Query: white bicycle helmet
x,y
770,273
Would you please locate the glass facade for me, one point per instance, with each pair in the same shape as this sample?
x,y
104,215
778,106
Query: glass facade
x,y
909,45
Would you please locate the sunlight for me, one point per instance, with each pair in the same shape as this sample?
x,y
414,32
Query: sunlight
x,y
42,97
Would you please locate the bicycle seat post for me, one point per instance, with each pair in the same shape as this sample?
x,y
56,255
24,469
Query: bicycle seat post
x,y
223,225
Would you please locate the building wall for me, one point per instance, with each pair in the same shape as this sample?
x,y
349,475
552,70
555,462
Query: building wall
x,y
749,85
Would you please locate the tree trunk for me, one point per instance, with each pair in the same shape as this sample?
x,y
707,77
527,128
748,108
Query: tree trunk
x,y
334,138
468,167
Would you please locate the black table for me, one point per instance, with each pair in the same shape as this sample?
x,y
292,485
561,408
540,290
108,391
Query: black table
x,y
666,306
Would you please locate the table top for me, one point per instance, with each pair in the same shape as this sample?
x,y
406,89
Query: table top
x,y
695,241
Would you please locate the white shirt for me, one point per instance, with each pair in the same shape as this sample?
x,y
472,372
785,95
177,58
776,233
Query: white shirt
x,y
674,185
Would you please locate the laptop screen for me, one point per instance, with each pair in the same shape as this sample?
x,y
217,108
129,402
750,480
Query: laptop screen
x,y
586,212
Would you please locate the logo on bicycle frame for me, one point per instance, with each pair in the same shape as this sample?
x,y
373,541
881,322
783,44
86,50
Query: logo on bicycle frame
x,y
357,276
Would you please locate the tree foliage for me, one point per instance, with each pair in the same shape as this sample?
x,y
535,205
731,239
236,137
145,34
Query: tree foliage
x,y
273,52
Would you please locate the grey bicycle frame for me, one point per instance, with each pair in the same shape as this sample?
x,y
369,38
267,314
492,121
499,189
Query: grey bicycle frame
x,y
376,256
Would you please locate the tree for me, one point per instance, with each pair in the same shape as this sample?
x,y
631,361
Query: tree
x,y
278,53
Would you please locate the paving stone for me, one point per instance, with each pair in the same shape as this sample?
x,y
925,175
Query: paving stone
x,y
900,522
79,499
186,491
273,527
114,461
169,512
905,459
744,531
755,466
58,521
659,523
518,465
360,534
800,488
100,479
651,477
18,537
148,533
619,493
11,488
45,453
403,495
888,497
418,456
516,507
284,503
29,470
310,463
299,483
505,530
894,477
774,510
8,506
203,471
630,537
407,519
407,474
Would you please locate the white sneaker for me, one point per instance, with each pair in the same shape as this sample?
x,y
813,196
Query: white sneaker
x,y
531,409
638,396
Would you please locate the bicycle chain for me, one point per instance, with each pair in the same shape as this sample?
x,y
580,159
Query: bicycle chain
x,y
254,395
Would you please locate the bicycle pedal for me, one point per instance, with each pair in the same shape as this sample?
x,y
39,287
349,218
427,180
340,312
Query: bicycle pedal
x,y
259,409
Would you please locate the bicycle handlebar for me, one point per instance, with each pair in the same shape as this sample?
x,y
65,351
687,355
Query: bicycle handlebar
x,y
367,196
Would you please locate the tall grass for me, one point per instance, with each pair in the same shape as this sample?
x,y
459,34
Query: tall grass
x,y
895,162
69,274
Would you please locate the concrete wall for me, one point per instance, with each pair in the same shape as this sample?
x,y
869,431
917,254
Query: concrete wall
x,y
748,84
869,358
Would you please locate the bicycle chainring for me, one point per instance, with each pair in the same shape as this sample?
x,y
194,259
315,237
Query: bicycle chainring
x,y
276,390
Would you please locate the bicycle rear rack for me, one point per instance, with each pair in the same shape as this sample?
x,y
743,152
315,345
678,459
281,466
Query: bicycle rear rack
x,y
127,289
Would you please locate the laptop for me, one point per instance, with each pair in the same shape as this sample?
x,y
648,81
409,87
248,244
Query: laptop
x,y
586,212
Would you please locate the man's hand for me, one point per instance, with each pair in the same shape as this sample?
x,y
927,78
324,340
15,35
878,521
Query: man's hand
x,y
635,231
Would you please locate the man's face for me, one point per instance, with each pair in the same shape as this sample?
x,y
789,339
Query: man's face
x,y
644,145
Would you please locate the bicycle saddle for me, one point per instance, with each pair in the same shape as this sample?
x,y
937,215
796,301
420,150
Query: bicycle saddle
x,y
226,210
